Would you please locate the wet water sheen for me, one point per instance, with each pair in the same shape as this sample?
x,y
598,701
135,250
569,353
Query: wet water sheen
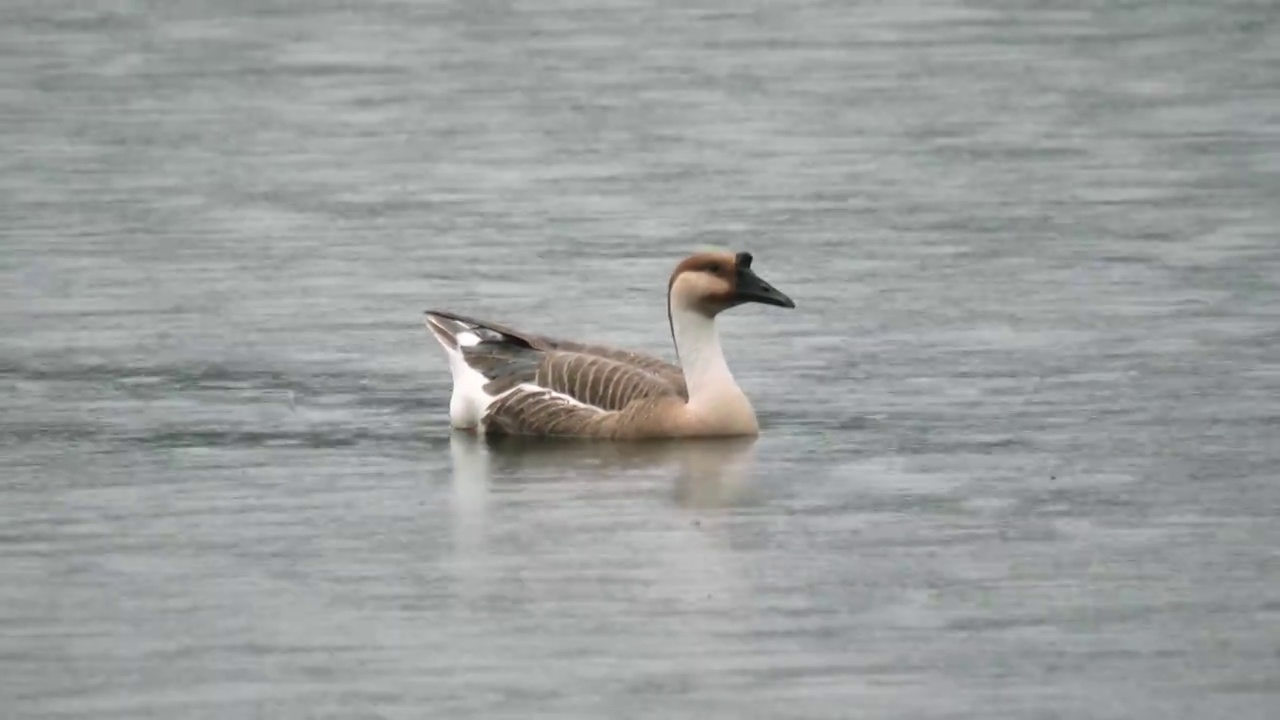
x,y
1021,433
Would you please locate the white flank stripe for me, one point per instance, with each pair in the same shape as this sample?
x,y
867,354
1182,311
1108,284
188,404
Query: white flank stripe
x,y
558,396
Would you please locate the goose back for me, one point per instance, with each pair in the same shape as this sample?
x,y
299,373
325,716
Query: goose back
x,y
546,386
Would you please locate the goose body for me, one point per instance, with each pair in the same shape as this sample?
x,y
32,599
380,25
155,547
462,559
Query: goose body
x,y
508,382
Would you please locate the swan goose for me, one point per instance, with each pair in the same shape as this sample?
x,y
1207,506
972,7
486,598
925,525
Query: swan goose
x,y
507,382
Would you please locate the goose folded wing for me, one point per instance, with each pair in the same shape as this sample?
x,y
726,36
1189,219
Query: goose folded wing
x,y
672,374
592,380
515,352
531,410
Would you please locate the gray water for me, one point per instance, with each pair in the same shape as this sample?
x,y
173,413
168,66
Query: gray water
x,y
1020,436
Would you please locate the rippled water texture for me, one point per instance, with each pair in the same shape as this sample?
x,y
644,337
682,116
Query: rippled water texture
x,y
1020,441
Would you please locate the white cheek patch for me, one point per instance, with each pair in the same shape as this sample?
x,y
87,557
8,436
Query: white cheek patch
x,y
467,339
691,288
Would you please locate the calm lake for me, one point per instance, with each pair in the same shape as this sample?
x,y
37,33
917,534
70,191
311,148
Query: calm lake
x,y
1020,453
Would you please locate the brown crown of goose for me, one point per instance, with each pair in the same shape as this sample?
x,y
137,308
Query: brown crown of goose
x,y
716,278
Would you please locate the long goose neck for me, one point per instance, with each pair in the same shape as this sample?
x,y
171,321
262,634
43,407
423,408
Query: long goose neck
x,y
698,346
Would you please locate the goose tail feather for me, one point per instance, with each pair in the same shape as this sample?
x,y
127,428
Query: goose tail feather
x,y
469,400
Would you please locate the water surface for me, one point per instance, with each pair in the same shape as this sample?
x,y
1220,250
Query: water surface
x,y
1020,434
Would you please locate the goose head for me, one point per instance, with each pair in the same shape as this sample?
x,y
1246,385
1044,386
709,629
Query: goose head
x,y
711,282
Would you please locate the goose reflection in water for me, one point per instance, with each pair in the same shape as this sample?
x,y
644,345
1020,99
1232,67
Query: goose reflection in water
x,y
634,539
704,473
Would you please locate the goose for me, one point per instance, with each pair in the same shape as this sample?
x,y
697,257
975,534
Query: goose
x,y
508,382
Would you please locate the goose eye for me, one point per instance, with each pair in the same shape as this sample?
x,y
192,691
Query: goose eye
x,y
714,268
